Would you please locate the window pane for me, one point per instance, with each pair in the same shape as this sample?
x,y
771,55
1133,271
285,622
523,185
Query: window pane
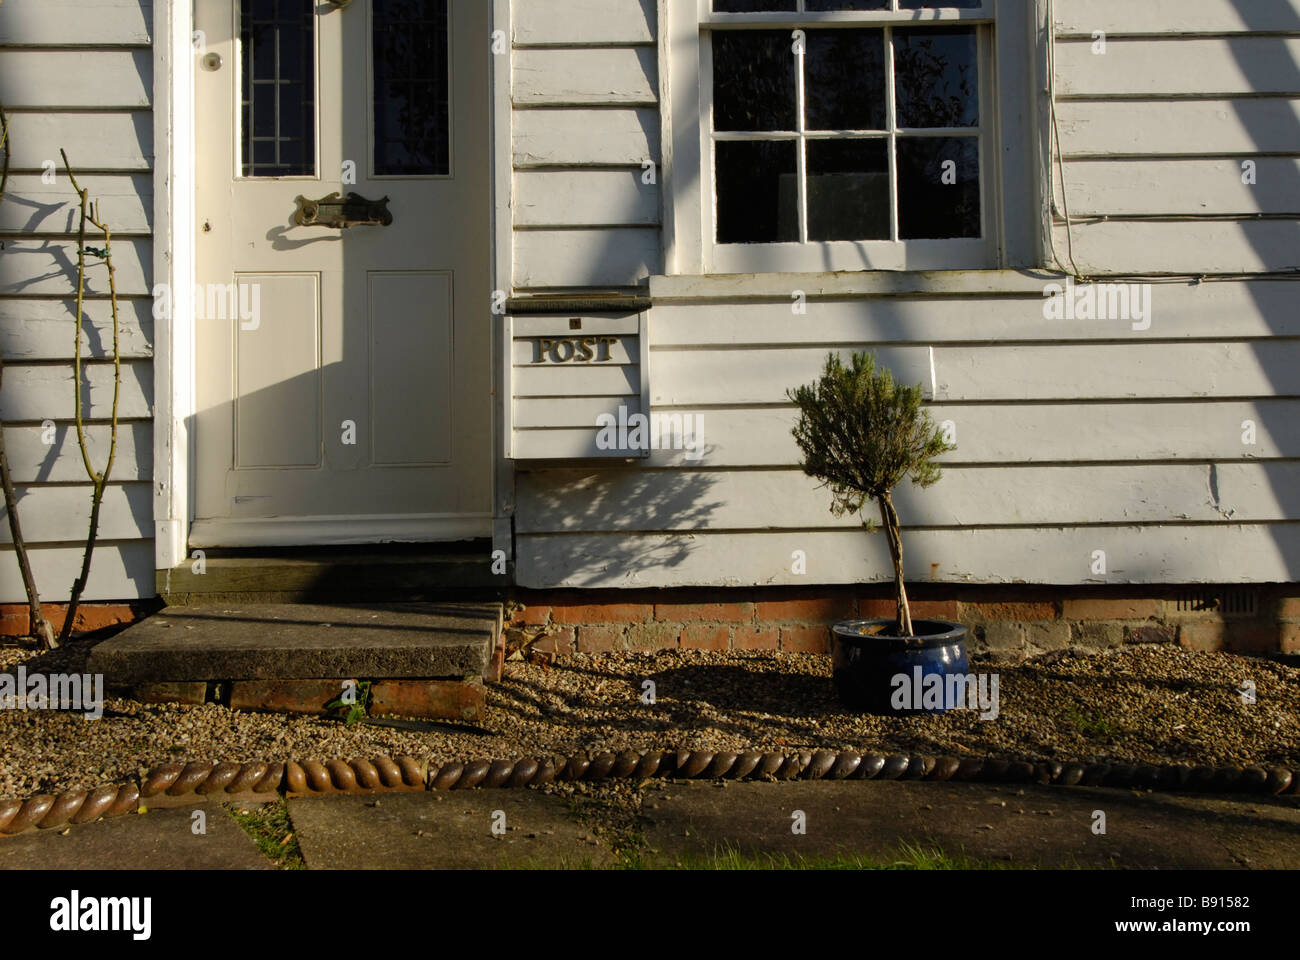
x,y
751,6
277,88
753,80
844,80
412,132
848,189
924,5
757,191
935,77
938,188
819,5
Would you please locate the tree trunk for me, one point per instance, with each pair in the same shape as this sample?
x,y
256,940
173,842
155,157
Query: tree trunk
x,y
889,516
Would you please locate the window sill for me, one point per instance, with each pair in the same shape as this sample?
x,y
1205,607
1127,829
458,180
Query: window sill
x,y
857,283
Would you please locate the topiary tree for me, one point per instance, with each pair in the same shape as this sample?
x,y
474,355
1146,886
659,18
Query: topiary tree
x,y
861,434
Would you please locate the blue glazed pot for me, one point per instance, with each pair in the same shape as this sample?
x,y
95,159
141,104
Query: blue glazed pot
x,y
867,667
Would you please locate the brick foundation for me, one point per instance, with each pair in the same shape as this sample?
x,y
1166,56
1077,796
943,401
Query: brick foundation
x,y
1007,621
431,699
14,621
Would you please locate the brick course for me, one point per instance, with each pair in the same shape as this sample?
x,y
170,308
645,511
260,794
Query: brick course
x,y
602,638
1107,609
805,640
739,612
705,636
603,613
14,621
435,699
755,637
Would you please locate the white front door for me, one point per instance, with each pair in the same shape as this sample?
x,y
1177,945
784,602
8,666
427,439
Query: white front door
x,y
343,376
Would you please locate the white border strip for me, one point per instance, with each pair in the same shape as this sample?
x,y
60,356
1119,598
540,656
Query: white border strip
x,y
173,264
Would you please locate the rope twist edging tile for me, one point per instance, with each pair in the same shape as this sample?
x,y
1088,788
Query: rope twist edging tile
x,y
171,782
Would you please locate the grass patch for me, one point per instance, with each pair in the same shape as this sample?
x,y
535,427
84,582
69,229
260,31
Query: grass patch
x,y
1094,727
268,824
910,856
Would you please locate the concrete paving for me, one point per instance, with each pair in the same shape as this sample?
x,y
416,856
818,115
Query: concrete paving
x,y
1021,826
444,831
1029,826
274,641
156,840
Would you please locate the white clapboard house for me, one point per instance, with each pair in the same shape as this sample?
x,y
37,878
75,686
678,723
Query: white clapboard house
x,y
533,277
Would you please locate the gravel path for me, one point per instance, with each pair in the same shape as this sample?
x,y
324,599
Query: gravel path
x,y
1137,704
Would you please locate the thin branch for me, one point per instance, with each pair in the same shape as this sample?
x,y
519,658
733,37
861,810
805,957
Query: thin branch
x,y
90,214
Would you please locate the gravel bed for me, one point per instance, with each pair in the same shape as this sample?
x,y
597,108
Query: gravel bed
x,y
1135,704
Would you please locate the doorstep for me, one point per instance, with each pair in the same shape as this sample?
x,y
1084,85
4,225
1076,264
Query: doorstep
x,y
416,659
340,574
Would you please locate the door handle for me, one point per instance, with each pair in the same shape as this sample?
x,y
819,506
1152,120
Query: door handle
x,y
339,213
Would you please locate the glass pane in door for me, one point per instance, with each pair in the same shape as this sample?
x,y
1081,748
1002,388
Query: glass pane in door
x,y
277,88
411,60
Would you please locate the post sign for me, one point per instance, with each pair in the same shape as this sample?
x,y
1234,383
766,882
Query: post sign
x,y
572,374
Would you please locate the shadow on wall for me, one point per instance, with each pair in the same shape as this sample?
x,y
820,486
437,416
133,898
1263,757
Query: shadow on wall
x,y
648,518
1265,73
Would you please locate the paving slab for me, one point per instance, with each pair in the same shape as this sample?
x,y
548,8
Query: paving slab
x,y
1029,826
156,840
449,830
278,641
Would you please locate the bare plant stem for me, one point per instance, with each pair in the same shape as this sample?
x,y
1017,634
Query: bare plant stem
x,y
90,214
37,625
889,517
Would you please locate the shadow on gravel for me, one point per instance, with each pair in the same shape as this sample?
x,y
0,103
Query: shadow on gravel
x,y
731,687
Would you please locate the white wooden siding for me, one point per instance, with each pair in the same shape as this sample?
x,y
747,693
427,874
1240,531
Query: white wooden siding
x,y
77,75
584,76
1156,132
125,203
965,497
41,329
1183,246
34,461
586,199
1243,127
1079,18
598,198
48,267
75,22
1208,553
1133,443
1072,436
117,141
567,137
74,79
1014,433
1216,66
569,23
1183,187
600,257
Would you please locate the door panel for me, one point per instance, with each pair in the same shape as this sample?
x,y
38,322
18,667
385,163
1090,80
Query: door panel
x,y
410,366
343,375
277,375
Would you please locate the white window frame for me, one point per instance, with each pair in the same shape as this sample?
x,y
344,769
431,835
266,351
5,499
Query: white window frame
x,y
1010,151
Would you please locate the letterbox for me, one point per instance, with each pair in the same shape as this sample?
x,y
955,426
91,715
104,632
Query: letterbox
x,y
579,385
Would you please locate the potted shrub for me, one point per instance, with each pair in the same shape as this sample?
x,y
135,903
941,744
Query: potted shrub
x,y
862,434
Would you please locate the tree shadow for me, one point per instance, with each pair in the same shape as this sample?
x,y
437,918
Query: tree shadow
x,y
1263,74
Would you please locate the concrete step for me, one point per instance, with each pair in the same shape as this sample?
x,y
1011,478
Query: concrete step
x,y
281,641
392,573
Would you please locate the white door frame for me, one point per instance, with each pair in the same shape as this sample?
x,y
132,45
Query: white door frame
x,y
174,262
